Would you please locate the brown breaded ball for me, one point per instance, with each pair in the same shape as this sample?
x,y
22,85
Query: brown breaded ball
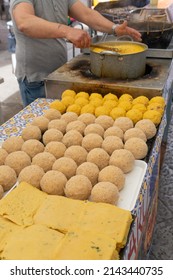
x,y
8,177
41,122
3,155
94,128
53,182
87,118
32,175
112,174
124,123
112,143
104,121
1,192
134,132
56,148
137,147
77,153
114,131
76,125
32,147
31,132
45,160
18,160
72,137
69,117
65,165
123,159
148,127
52,134
90,170
91,141
51,114
78,187
13,144
105,192
99,157
58,124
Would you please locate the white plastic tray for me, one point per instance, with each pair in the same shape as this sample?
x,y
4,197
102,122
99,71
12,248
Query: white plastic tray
x,y
133,182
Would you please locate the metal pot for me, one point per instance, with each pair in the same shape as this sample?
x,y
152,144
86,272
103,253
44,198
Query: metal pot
x,y
111,64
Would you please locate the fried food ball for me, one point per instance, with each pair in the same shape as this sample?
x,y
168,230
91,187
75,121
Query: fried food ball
x,y
68,100
153,115
32,147
3,155
89,108
81,101
13,144
55,148
110,96
90,170
77,153
141,100
74,108
58,124
82,94
91,141
112,143
45,160
124,123
68,92
41,122
148,127
134,132
96,102
58,105
65,165
69,117
53,182
104,121
157,107
18,160
126,105
137,147
51,114
94,95
31,132
123,159
52,134
135,115
99,157
8,177
125,97
78,187
140,107
31,174
72,137
112,174
105,192
110,104
114,131
157,99
76,125
101,110
117,112
94,128
1,192
87,118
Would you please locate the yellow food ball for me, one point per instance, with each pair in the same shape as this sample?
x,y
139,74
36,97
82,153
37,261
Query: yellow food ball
x,y
74,108
68,92
110,96
95,95
141,99
126,105
67,100
82,94
96,102
157,99
58,105
140,107
81,101
117,112
156,106
110,104
101,110
125,97
89,108
135,115
153,116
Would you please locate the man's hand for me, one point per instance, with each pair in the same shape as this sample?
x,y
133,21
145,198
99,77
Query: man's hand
x,y
80,38
123,29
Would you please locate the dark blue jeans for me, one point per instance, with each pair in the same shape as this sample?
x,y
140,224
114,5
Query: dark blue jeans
x,y
31,91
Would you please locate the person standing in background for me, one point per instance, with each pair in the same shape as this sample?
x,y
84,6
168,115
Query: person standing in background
x,y
41,30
